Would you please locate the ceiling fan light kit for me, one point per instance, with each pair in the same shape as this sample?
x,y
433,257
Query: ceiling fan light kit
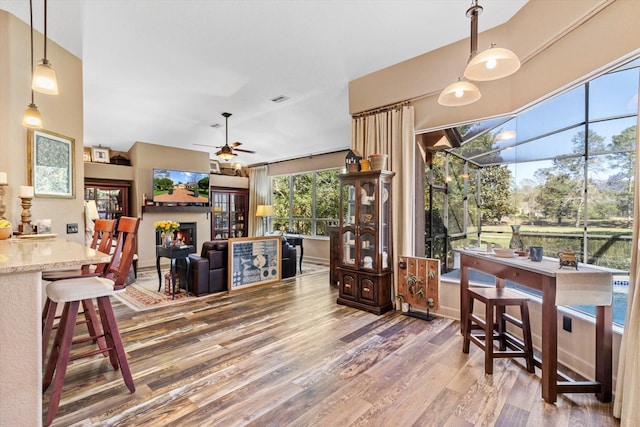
x,y
492,64
226,152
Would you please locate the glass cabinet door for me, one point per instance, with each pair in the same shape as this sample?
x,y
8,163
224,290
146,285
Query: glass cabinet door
x,y
111,199
230,208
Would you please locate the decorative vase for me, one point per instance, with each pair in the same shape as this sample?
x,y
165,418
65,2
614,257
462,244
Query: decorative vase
x,y
516,240
166,239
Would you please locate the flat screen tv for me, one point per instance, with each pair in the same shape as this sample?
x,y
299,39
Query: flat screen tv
x,y
175,187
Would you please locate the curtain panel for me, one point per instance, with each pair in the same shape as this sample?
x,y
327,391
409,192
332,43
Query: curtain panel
x,y
391,132
259,194
627,393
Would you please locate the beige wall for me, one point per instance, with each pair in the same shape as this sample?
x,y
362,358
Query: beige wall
x,y
559,43
144,157
62,114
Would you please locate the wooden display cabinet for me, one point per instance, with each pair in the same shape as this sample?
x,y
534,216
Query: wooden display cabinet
x,y
111,197
365,261
230,210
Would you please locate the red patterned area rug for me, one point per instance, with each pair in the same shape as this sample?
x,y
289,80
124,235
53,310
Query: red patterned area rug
x,y
143,294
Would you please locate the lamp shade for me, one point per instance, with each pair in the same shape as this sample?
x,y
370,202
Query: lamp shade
x,y
264,210
44,79
492,64
458,94
32,118
91,210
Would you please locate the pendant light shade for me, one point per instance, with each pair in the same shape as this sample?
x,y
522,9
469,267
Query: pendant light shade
x,y
458,94
32,118
44,79
492,64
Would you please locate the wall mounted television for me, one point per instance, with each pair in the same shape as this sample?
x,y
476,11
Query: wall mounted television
x,y
180,188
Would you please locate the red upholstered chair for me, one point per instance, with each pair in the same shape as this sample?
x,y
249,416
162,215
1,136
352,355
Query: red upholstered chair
x,y
72,292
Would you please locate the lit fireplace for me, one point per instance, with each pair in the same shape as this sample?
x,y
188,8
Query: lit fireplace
x,y
187,234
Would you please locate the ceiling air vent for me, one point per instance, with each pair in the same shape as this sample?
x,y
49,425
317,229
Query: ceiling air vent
x,y
280,98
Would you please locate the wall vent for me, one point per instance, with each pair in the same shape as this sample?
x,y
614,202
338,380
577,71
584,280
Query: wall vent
x,y
280,98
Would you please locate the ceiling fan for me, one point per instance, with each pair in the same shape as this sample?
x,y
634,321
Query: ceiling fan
x,y
226,151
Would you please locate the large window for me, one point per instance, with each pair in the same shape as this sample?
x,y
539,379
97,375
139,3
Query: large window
x,y
306,203
563,170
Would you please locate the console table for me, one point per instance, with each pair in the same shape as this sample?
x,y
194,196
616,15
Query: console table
x,y
174,253
586,286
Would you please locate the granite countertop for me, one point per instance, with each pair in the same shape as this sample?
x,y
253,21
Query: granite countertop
x,y
24,255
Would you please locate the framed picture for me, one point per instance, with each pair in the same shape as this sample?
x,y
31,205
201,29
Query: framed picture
x,y
214,165
100,155
254,261
50,164
86,154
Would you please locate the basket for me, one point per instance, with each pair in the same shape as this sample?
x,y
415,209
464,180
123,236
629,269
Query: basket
x,y
378,162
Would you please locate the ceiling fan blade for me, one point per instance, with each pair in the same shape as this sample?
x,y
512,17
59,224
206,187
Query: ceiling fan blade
x,y
206,145
244,151
235,144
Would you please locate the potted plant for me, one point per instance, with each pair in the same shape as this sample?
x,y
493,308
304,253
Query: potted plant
x,y
404,306
412,280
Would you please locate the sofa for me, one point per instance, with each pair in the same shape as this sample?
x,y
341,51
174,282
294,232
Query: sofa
x,y
209,269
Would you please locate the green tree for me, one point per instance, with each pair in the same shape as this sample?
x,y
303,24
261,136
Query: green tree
x,y
560,195
495,193
623,156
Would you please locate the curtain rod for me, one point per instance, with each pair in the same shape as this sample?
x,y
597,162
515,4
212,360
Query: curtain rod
x,y
306,156
381,109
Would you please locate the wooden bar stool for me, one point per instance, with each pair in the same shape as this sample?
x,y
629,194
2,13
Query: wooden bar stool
x,y
494,328
86,290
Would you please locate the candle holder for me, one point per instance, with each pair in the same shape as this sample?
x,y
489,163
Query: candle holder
x,y
2,207
26,227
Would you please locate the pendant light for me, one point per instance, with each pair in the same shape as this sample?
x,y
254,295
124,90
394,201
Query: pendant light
x,y
492,64
32,118
44,78
459,93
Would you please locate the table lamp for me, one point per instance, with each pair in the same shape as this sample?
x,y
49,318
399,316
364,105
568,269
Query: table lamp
x,y
264,211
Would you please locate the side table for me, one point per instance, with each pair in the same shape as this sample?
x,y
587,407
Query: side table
x,y
296,241
174,253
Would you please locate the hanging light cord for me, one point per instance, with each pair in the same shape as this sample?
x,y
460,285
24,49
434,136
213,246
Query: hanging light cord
x,y
31,29
45,29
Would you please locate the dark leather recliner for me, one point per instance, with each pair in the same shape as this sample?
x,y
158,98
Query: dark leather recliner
x,y
209,269
289,260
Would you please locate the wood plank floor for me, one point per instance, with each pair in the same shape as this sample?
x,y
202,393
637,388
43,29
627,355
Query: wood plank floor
x,y
288,355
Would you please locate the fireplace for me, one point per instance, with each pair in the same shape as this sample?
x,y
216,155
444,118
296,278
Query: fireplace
x,y
187,234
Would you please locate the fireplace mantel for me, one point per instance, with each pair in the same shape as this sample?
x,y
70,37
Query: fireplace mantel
x,y
159,209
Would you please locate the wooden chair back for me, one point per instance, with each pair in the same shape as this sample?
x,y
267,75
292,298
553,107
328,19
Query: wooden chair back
x,y
103,232
125,250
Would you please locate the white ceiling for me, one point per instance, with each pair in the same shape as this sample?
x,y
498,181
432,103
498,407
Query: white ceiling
x,y
163,71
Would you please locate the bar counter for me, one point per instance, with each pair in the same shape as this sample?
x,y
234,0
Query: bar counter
x,y
22,262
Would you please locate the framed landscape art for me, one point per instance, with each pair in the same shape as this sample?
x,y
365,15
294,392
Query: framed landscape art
x,y
50,164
